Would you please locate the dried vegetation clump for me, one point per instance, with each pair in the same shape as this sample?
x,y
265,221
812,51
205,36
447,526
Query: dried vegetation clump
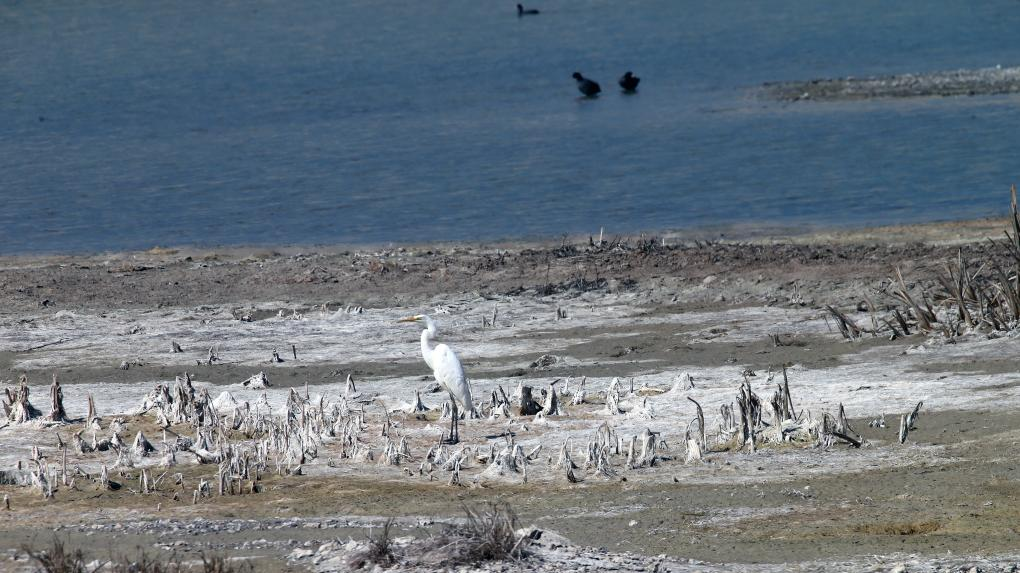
x,y
380,549
966,295
60,558
489,533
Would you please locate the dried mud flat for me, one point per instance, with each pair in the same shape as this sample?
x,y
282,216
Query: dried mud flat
x,y
670,319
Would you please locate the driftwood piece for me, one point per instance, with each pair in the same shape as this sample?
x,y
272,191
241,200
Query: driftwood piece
x,y
750,414
912,417
577,397
631,462
847,327
683,382
552,403
528,405
141,447
648,447
80,445
57,413
92,418
855,442
63,463
599,462
701,424
790,410
842,424
41,483
564,460
418,407
17,405
694,449
613,397
257,382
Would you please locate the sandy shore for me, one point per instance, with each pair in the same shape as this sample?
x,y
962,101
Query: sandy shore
x,y
645,310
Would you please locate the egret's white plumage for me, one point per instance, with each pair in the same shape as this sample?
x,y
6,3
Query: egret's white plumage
x,y
446,368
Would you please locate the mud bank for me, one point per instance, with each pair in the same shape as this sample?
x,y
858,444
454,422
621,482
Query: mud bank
x,y
985,81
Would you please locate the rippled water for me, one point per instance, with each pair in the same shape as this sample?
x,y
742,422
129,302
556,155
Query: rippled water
x,y
126,125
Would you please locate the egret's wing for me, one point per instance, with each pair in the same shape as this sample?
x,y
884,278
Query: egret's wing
x,y
448,371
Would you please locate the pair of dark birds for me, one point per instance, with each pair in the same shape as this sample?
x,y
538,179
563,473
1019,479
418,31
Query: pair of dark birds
x,y
591,88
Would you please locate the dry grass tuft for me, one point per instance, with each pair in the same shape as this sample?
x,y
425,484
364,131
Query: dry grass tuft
x,y
491,533
380,549
144,563
898,528
219,564
380,546
982,294
58,558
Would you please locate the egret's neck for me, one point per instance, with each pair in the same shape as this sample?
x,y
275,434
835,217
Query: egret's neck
x,y
426,341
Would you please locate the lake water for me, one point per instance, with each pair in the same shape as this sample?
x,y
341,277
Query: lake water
x,y
125,125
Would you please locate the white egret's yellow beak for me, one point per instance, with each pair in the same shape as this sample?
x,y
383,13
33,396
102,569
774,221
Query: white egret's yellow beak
x,y
414,318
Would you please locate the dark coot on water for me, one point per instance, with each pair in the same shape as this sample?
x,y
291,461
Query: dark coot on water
x,y
586,86
522,12
629,82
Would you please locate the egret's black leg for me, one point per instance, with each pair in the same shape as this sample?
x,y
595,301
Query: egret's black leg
x,y
454,414
456,426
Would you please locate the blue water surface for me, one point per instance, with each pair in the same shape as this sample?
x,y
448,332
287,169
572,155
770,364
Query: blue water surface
x,y
125,125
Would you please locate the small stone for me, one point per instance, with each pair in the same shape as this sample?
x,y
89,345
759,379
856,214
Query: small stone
x,y
302,553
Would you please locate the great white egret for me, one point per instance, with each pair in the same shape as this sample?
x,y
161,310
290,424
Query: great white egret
x,y
589,88
448,372
629,82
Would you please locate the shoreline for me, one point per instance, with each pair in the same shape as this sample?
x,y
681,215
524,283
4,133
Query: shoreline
x,y
953,231
400,275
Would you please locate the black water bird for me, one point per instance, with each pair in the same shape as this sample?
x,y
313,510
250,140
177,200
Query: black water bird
x,y
588,87
522,12
629,82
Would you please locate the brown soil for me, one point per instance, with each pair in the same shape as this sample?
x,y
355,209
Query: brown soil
x,y
821,267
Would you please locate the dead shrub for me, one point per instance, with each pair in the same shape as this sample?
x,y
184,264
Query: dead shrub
x,y
220,564
379,551
490,533
57,558
380,546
